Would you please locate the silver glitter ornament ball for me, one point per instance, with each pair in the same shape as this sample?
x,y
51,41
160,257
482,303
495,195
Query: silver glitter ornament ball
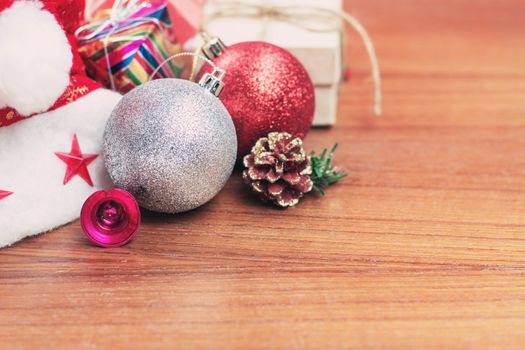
x,y
171,143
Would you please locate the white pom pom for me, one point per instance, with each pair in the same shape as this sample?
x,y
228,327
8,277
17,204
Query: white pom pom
x,y
35,58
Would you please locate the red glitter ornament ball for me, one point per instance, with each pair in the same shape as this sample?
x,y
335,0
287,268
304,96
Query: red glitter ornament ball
x,y
266,89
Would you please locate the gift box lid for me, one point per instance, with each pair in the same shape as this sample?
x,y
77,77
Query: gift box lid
x,y
320,52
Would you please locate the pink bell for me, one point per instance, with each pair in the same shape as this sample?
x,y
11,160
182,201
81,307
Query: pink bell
x,y
110,219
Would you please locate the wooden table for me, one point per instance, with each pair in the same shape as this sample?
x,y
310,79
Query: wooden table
x,y
422,247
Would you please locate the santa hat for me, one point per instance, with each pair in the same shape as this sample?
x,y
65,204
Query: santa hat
x,y
52,119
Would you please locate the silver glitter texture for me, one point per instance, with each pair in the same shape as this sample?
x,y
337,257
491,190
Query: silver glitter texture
x,y
171,143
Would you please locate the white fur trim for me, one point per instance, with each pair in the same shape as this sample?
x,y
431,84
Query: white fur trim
x,y
30,169
35,58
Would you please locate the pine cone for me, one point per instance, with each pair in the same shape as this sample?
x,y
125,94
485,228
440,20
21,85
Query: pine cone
x,y
278,169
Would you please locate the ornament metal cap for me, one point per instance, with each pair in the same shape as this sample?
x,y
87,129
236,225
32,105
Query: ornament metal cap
x,y
110,219
213,82
213,47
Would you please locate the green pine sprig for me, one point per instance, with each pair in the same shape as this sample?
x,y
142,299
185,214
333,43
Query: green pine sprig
x,y
324,173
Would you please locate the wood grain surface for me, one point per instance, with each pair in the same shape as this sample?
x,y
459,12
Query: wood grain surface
x,y
422,247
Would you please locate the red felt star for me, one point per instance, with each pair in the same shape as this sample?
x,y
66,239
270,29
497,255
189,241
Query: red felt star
x,y
76,162
4,194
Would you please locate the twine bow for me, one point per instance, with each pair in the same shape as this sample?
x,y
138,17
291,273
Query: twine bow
x,y
314,19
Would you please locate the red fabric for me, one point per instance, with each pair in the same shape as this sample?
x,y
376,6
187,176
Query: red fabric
x,y
69,14
5,4
79,85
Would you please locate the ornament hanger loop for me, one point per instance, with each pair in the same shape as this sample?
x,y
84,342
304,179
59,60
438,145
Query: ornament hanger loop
x,y
217,72
209,81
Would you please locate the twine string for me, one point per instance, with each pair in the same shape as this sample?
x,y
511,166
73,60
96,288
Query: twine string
x,y
314,19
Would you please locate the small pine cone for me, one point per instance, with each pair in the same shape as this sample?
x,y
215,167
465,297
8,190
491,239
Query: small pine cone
x,y
278,169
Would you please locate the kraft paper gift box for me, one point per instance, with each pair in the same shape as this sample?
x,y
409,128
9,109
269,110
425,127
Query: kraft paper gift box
x,y
319,52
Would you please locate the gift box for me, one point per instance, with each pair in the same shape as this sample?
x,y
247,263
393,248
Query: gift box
x,y
187,18
319,52
122,46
